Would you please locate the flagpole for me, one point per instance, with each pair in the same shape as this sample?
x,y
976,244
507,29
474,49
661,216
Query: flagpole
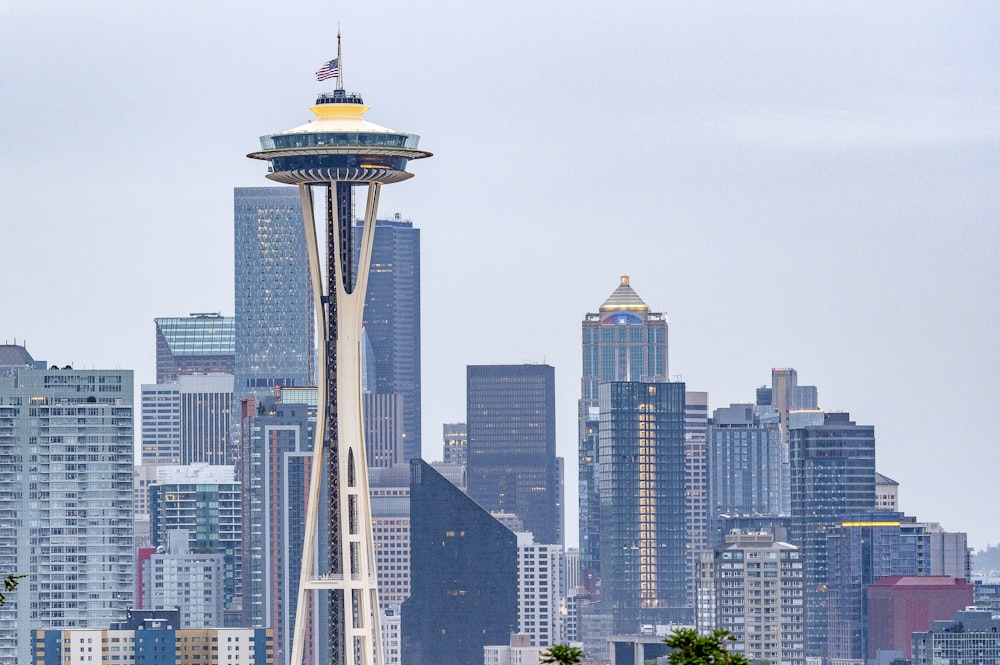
x,y
340,63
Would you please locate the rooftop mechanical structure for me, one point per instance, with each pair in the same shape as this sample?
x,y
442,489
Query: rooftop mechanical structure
x,y
332,155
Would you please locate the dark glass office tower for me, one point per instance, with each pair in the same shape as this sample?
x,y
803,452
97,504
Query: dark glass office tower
x,y
464,579
623,341
643,536
392,320
832,474
275,331
512,444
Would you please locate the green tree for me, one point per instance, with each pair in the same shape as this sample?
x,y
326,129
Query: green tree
x,y
562,654
9,585
689,648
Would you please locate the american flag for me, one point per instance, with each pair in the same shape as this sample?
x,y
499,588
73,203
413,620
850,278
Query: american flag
x,y
329,70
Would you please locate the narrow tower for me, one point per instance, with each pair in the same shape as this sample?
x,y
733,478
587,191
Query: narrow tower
x,y
332,155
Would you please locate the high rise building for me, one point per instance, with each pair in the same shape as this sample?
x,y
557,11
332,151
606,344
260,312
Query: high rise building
x,y
194,344
385,431
390,496
832,474
886,493
205,501
331,155
643,528
695,483
622,341
464,581
512,464
188,420
746,466
456,443
392,320
190,582
970,638
539,591
66,467
751,586
275,462
274,322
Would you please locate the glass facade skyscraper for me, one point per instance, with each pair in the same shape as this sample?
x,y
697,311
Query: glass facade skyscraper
x,y
392,320
511,426
832,474
643,533
275,329
623,341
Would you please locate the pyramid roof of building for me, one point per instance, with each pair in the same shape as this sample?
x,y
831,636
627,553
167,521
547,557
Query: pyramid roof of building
x,y
624,298
12,355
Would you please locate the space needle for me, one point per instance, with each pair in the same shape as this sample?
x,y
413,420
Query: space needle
x,y
332,155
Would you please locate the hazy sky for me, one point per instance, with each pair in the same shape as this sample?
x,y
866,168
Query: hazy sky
x,y
813,185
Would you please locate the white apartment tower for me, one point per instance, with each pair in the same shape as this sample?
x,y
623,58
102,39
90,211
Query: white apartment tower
x,y
539,569
65,498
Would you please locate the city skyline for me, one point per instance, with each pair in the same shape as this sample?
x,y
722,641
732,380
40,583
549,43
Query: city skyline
x,y
842,159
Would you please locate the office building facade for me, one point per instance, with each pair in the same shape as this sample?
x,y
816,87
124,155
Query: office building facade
x,y
643,524
623,341
512,465
971,637
899,606
274,317
464,577
66,467
746,466
274,468
392,321
176,578
456,443
832,474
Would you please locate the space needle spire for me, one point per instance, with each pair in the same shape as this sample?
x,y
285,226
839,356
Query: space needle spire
x,y
329,158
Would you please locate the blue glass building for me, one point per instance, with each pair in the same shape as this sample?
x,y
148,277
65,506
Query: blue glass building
x,y
275,333
832,475
643,537
623,341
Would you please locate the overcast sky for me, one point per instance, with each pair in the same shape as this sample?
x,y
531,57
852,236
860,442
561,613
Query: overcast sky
x,y
809,185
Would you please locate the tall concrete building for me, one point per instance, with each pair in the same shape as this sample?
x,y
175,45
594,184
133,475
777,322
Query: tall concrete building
x,y
623,341
390,497
695,483
539,592
971,637
643,527
899,606
464,586
512,465
196,344
66,467
751,585
832,474
274,323
176,578
392,321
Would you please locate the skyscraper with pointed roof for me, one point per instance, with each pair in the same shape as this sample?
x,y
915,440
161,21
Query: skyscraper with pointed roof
x,y
623,341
